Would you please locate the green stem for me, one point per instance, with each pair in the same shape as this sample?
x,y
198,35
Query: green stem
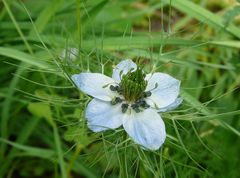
x,y
123,159
59,151
73,159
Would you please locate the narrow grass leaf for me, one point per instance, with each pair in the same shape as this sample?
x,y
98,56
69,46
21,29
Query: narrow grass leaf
x,y
229,16
24,57
45,16
38,152
204,15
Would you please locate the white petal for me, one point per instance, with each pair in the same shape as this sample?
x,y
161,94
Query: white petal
x,y
164,89
94,84
172,106
146,128
101,115
123,68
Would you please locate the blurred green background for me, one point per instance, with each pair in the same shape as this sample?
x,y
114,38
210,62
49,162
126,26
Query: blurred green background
x,y
43,131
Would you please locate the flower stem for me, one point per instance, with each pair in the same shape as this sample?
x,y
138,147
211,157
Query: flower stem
x,y
123,159
73,159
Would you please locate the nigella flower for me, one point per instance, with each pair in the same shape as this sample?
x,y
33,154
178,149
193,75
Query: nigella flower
x,y
69,53
130,99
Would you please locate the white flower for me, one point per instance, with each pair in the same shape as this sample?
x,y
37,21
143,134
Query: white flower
x,y
130,99
69,54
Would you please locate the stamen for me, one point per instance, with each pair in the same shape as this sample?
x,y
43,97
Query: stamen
x,y
145,105
155,86
139,105
113,88
116,101
116,88
137,110
105,86
147,94
119,90
124,107
135,105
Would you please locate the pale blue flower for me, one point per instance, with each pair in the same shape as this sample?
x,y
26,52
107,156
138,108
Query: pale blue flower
x,y
69,54
130,99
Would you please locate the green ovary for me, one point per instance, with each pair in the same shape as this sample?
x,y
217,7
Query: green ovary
x,y
133,85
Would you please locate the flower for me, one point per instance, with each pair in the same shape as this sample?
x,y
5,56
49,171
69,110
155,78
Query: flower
x,y
69,53
130,99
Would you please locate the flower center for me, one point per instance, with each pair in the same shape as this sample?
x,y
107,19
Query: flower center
x,y
133,85
132,88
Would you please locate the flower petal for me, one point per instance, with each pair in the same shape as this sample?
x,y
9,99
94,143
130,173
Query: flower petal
x,y
172,106
94,84
123,68
145,128
164,89
101,115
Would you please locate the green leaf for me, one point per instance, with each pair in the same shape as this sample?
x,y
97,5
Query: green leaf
x,y
78,135
93,12
31,151
41,110
24,57
229,43
229,16
195,103
45,16
204,15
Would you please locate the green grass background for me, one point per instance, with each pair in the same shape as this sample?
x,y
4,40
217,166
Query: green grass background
x,y
43,131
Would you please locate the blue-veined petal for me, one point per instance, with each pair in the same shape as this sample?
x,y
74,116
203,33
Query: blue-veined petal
x,y
101,115
164,89
95,85
123,68
146,128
